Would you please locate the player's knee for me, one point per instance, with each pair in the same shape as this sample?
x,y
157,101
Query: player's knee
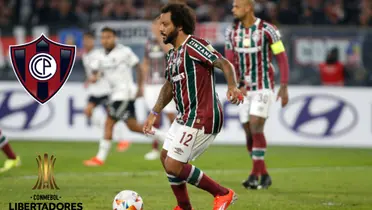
x,y
109,123
256,127
173,167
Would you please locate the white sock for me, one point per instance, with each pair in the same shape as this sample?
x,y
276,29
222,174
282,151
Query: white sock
x,y
159,134
104,149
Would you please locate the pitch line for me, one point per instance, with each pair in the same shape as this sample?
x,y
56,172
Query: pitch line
x,y
215,172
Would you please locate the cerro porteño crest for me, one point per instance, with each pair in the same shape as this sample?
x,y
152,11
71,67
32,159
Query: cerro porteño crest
x,y
42,66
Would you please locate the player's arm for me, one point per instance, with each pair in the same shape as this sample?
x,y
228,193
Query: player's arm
x,y
228,71
92,69
165,96
145,67
278,49
140,79
134,62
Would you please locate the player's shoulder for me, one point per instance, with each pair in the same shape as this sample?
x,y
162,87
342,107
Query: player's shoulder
x,y
92,54
269,26
271,30
122,48
97,52
197,40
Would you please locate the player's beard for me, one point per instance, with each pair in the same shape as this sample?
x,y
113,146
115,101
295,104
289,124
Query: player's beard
x,y
109,48
171,37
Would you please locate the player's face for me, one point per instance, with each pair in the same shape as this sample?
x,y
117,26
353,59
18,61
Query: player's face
x,y
155,27
167,29
108,40
88,42
241,8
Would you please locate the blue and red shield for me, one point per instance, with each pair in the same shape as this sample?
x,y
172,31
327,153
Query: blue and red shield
x,y
42,66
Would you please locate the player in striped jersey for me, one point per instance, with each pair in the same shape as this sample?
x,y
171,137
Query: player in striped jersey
x,y
190,82
154,67
12,160
250,43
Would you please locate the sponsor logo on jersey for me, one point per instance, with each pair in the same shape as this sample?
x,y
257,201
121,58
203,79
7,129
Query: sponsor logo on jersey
x,y
178,77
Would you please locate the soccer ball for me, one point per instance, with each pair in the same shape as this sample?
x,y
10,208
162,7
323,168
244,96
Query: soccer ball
x,y
127,200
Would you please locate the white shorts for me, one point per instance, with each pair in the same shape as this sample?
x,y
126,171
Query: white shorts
x,y
151,96
185,144
257,103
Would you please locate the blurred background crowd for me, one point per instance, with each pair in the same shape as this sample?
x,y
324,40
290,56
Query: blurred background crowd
x,y
317,54
289,12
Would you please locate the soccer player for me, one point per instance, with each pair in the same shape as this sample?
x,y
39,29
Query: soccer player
x,y
154,67
249,44
98,90
190,82
115,66
13,160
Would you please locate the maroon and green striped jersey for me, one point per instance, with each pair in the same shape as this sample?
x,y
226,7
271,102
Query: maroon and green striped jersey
x,y
156,57
252,52
191,73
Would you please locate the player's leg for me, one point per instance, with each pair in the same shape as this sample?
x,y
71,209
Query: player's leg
x,y
188,144
178,187
93,102
12,160
259,112
105,143
244,120
88,111
248,138
244,109
129,116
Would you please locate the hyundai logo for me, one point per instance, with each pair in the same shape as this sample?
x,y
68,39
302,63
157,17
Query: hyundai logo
x,y
319,115
18,111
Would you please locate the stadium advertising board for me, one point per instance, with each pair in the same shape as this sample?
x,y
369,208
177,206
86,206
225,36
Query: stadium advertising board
x,y
310,47
315,116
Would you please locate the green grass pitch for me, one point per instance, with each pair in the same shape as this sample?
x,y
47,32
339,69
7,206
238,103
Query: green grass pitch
x,y
303,178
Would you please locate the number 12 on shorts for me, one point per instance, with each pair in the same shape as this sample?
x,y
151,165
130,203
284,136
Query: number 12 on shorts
x,y
186,139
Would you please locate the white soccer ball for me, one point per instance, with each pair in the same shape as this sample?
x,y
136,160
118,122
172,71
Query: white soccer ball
x,y
127,200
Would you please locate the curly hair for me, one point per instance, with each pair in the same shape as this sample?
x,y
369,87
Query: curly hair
x,y
181,16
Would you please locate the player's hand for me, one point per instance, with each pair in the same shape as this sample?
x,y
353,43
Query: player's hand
x,y
234,95
244,91
283,94
92,78
147,126
86,84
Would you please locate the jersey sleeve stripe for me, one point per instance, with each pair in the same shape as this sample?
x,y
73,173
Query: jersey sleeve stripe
x,y
228,42
211,59
272,34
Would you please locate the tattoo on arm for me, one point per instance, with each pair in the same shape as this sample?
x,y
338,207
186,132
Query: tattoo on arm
x,y
164,97
227,69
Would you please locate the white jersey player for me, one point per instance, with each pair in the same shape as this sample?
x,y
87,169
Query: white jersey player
x,y
115,66
99,90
